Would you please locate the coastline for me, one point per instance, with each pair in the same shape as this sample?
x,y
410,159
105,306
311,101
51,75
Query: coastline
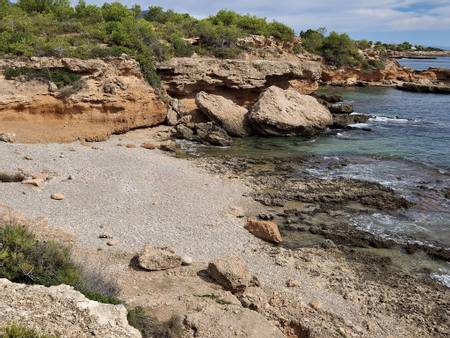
x,y
357,306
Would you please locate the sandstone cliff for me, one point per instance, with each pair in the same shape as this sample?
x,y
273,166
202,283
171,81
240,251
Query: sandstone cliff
x,y
110,97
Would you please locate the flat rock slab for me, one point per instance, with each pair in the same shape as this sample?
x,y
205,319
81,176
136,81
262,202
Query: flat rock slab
x,y
154,259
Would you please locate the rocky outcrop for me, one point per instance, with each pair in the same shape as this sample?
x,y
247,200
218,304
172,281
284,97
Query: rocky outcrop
x,y
281,112
425,88
110,97
226,113
391,75
239,80
61,311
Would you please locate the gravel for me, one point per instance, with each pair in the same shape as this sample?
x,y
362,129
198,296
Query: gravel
x,y
136,196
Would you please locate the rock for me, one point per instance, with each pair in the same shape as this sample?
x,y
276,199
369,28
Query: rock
x,y
168,146
57,196
425,88
183,132
130,146
154,259
111,96
212,134
231,273
266,230
113,242
149,146
8,137
281,112
226,113
315,304
186,260
61,311
172,113
184,76
37,180
291,283
237,211
340,108
52,87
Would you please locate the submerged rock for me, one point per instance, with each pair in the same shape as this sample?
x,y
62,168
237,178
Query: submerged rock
x,y
226,113
281,112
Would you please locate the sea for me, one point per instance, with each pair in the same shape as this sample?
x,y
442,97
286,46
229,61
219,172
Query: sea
x,y
407,149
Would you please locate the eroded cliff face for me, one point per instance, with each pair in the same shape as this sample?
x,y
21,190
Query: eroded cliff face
x,y
242,81
110,97
393,74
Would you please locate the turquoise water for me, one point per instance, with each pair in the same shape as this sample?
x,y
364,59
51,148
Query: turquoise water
x,y
421,64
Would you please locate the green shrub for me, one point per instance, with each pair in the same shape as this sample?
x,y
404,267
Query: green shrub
x,y
60,77
19,331
181,48
24,259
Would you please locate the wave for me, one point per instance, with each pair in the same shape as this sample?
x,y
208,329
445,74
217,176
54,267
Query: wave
x,y
385,119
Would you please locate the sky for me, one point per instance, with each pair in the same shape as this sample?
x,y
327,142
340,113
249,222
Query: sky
x,y
418,21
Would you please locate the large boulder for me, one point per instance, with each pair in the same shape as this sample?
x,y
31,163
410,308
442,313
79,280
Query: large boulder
x,y
226,113
62,312
266,230
281,112
231,273
155,259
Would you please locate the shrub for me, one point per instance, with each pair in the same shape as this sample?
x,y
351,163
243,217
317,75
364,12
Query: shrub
x,y
181,48
19,331
24,259
151,328
60,77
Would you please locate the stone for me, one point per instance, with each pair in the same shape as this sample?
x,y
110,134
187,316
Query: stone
x,y
37,180
61,311
113,242
57,196
11,177
130,146
172,117
155,259
149,146
183,132
315,304
186,260
266,230
8,137
231,272
52,87
340,108
226,113
281,112
291,283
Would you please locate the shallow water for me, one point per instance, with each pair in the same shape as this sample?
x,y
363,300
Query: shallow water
x,y
423,64
408,150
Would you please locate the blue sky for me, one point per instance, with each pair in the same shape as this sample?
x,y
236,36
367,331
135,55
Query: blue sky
x,y
425,22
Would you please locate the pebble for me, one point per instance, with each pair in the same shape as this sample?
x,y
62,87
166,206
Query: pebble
x,y
148,146
28,158
112,242
186,260
57,196
291,283
315,304
130,145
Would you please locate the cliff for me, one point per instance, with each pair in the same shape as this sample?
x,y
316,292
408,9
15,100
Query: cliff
x,y
110,96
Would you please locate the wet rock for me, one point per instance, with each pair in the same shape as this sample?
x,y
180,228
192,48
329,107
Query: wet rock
x,y
8,137
340,108
212,134
226,113
57,196
184,132
281,112
265,230
231,273
154,259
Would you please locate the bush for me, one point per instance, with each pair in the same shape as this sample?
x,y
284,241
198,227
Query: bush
x,y
24,259
60,77
19,331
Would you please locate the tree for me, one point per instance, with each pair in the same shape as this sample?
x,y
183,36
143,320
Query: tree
x,y
340,50
312,40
